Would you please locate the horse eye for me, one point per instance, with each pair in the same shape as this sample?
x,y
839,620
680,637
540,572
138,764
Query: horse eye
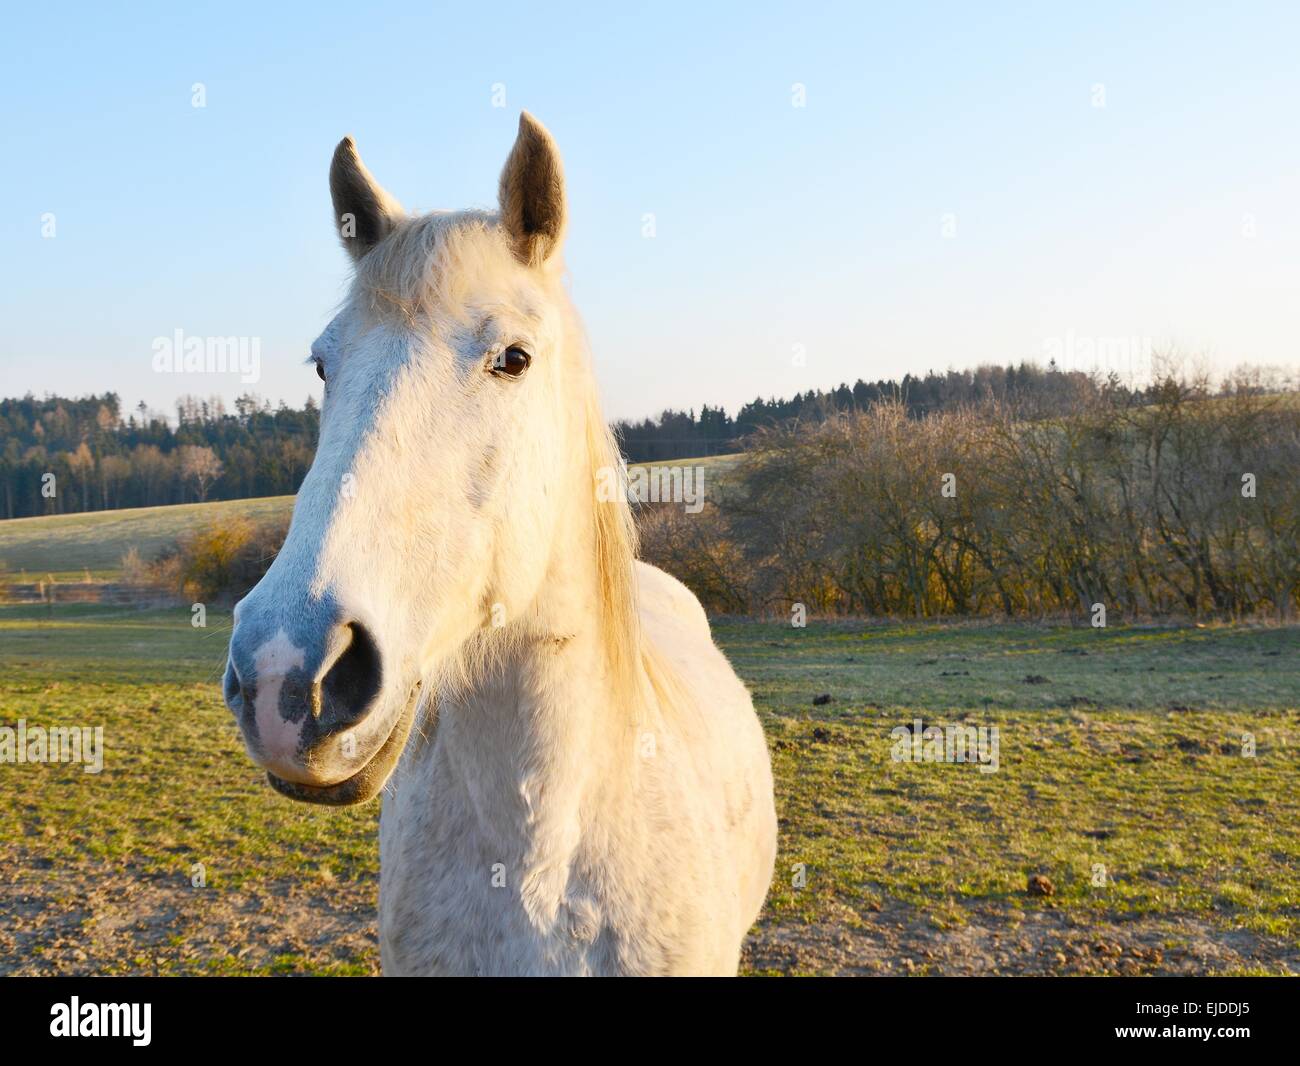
x,y
320,370
512,362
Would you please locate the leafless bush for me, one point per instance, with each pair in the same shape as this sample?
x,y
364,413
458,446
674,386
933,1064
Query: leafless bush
x,y
698,550
1184,503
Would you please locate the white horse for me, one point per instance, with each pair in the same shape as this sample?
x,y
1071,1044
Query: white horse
x,y
586,789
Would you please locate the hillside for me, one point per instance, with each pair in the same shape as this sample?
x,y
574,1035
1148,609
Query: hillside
x,y
71,543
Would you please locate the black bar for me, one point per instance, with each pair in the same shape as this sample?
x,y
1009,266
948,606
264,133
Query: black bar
x,y
377,1018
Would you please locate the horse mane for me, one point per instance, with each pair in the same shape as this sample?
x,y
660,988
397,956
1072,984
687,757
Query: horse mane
x,y
400,276
616,551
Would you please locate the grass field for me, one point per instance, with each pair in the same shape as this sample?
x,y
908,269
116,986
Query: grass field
x,y
68,544
1120,749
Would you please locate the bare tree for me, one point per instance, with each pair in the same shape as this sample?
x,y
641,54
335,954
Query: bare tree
x,y
199,467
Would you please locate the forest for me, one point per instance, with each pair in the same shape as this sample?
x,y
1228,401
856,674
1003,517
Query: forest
x,y
60,455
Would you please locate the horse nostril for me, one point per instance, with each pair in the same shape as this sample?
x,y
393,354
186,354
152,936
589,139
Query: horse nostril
x,y
231,687
352,681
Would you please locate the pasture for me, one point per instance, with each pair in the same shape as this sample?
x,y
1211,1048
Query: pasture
x,y
65,545
1121,752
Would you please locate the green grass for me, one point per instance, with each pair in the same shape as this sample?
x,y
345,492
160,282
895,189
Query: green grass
x,y
1127,755
175,781
1124,751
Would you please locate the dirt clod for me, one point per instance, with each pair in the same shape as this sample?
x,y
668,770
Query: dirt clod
x,y
1040,885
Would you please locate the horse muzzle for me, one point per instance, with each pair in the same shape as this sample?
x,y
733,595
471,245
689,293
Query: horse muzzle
x,y
310,698
366,782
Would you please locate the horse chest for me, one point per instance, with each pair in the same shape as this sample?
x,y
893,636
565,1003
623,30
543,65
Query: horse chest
x,y
442,922
455,901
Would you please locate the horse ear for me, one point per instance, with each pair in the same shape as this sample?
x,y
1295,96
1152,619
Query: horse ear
x,y
532,194
363,212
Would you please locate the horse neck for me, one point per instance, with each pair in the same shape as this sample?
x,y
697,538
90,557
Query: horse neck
x,y
534,735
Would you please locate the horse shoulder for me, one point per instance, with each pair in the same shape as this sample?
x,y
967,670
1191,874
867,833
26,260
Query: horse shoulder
x,y
714,715
667,607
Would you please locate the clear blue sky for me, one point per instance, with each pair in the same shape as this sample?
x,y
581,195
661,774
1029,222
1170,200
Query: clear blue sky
x,y
1171,214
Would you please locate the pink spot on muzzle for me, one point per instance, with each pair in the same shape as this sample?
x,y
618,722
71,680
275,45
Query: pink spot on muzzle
x,y
277,738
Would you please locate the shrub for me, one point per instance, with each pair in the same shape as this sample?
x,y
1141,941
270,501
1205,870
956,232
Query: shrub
x,y
212,558
698,550
217,564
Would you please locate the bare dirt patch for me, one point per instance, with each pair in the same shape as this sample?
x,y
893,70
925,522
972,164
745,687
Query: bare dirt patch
x,y
112,920
109,919
1004,941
